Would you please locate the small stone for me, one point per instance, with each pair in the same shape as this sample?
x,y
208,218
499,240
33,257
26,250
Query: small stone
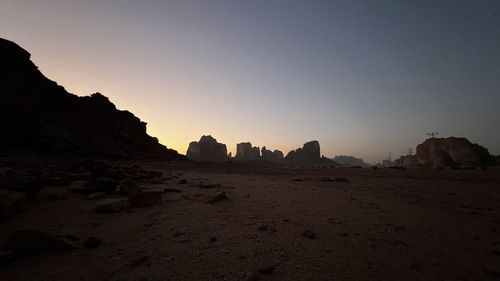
x,y
7,257
35,241
267,268
96,195
11,203
212,239
182,181
251,276
91,243
145,199
309,234
129,188
56,195
341,180
110,205
219,196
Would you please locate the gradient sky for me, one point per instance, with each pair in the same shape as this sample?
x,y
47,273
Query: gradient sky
x,y
363,77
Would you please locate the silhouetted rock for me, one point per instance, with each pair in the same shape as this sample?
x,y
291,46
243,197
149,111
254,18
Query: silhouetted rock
x,y
308,155
272,156
350,161
207,149
453,151
245,152
42,117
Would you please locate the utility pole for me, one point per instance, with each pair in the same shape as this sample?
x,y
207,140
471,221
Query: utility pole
x,y
432,134
411,158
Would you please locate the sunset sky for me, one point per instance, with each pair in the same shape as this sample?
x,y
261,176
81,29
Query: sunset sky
x,y
364,78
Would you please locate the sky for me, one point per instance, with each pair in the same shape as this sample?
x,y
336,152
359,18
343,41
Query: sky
x,y
364,78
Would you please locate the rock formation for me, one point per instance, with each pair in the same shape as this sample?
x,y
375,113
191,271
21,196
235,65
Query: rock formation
x,y
453,151
406,161
245,152
350,161
42,117
207,149
308,155
271,156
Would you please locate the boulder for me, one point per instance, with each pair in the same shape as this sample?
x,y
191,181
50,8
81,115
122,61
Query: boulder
x,y
245,152
207,149
452,151
11,203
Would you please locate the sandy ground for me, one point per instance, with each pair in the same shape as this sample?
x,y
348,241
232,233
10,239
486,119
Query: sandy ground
x,y
381,225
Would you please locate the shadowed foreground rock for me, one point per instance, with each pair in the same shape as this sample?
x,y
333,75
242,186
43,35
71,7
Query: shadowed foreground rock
x,y
40,116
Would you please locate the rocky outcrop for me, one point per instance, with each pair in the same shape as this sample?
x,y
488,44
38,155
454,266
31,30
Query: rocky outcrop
x,y
453,151
42,117
207,149
308,155
245,152
350,161
271,156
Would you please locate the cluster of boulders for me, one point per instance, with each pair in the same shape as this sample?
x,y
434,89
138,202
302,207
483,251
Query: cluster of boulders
x,y
112,187
207,149
272,156
40,116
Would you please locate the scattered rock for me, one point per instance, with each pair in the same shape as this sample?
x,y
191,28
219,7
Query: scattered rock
x,y
35,241
209,185
110,205
100,185
137,261
11,203
182,181
129,188
91,242
96,195
219,196
267,268
341,180
493,272
309,234
7,257
56,194
169,189
145,199
251,276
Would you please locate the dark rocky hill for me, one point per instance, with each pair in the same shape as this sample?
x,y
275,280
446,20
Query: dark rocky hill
x,y
207,149
40,116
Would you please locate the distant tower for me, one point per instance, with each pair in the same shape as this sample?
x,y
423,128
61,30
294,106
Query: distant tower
x,y
432,134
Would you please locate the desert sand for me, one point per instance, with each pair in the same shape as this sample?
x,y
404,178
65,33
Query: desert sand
x,y
275,224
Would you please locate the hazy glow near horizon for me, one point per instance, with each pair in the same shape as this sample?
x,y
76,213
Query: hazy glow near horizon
x,y
364,78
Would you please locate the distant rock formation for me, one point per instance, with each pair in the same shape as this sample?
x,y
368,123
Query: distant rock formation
x,y
453,151
406,161
271,156
245,152
350,161
308,155
39,116
207,149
